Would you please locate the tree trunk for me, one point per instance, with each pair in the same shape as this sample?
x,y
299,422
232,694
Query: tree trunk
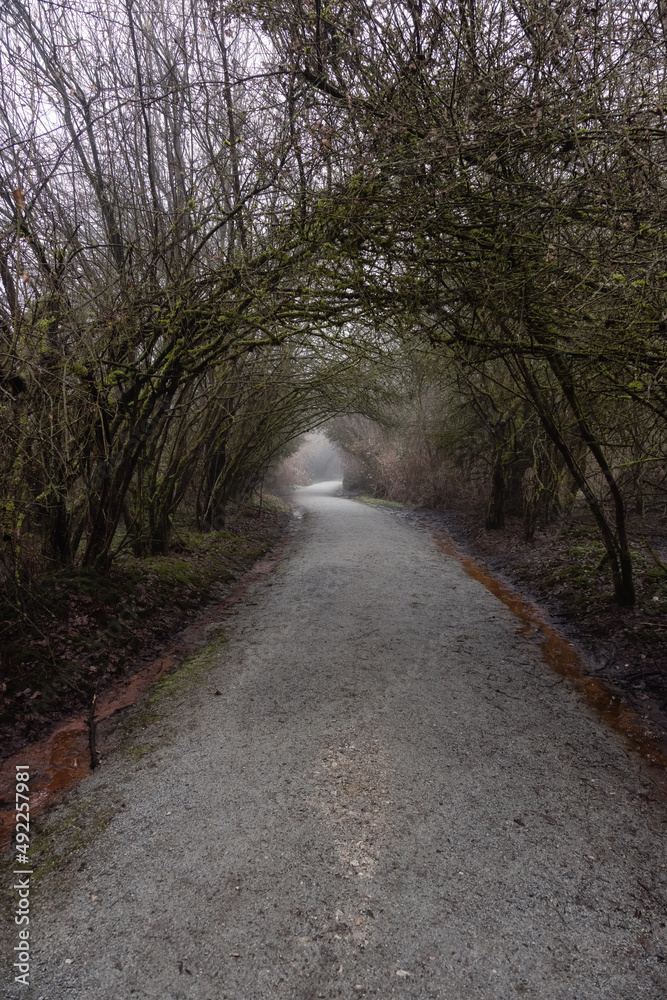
x,y
56,542
495,515
214,512
616,544
624,588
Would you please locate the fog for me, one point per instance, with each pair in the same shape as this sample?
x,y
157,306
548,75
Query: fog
x,y
316,460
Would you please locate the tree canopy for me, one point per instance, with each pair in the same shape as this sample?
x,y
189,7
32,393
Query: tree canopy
x,y
222,225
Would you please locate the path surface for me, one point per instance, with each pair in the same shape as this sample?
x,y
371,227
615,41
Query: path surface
x,y
390,796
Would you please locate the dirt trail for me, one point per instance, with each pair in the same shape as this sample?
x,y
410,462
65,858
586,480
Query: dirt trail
x,y
378,788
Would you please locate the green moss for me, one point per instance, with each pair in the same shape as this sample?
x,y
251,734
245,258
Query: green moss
x,y
192,670
191,541
56,845
139,750
590,551
141,719
377,502
171,572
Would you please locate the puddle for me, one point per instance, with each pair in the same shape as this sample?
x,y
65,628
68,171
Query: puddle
x,y
562,657
62,758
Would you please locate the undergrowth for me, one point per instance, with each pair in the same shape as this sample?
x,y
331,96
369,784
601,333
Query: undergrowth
x,y
80,629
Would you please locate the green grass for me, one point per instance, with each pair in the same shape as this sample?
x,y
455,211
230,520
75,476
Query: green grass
x,y
378,502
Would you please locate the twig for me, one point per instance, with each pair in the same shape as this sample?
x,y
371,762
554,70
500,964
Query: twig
x,y
646,672
506,695
94,761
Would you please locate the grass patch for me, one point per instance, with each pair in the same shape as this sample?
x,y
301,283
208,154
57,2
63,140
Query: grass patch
x,y
193,670
378,502
190,672
139,750
270,502
55,847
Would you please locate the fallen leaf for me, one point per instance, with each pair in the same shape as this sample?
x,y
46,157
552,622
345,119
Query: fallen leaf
x,y
234,954
519,821
548,818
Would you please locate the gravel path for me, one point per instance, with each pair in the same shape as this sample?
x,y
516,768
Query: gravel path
x,y
377,788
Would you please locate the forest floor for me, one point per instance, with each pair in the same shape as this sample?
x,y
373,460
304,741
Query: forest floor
x,y
368,783
559,570
79,633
